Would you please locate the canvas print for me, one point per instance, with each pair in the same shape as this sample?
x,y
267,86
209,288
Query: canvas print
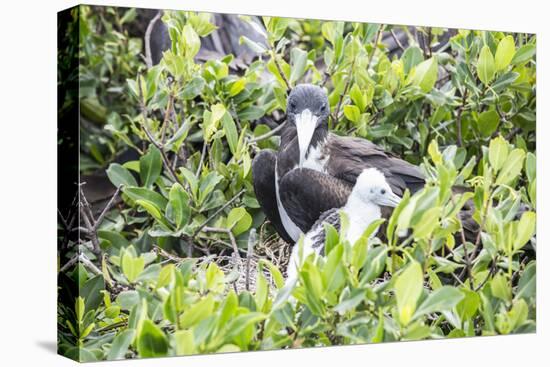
x,y
232,183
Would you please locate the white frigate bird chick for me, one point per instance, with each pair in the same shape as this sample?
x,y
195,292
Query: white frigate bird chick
x,y
370,192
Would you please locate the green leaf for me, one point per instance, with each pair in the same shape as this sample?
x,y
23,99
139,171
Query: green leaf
x,y
298,63
127,299
512,167
254,46
165,276
500,287
408,288
150,166
241,322
425,74
197,312
218,110
228,308
238,220
120,344
179,200
498,152
443,299
185,342
237,87
411,57
487,122
358,98
132,266
468,306
428,223
120,175
154,211
193,88
275,273
230,132
352,113
141,193
524,53
486,65
531,167
527,284
374,264
151,341
91,291
433,151
526,230
115,238
505,52
190,41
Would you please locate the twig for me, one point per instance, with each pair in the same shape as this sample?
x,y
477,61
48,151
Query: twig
x,y
491,273
467,259
513,132
92,234
167,115
69,263
459,119
201,161
113,326
152,139
429,42
231,238
90,265
249,253
148,56
280,70
397,40
375,46
217,212
167,255
268,134
107,208
346,88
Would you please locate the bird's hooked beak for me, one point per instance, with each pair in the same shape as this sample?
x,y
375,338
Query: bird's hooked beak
x,y
389,199
306,122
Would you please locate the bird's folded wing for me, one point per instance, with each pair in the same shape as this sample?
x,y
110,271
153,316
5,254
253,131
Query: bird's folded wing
x,y
263,177
306,194
350,156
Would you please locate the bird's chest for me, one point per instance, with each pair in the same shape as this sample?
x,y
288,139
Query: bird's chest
x,y
316,159
360,218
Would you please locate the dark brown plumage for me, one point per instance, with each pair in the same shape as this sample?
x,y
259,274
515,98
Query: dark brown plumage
x,y
263,172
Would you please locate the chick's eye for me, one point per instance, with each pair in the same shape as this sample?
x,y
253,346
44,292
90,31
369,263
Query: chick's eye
x,y
292,105
383,191
323,107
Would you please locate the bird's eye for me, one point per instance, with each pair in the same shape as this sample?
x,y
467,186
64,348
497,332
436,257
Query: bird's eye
x,y
292,105
383,191
323,107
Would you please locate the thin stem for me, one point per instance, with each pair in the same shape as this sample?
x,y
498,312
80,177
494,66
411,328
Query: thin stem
x,y
148,55
396,40
152,139
107,208
280,70
268,134
459,119
217,212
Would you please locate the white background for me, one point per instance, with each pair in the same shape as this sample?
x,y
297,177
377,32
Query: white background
x,y
28,180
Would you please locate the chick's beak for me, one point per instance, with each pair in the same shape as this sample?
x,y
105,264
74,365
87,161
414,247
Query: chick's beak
x,y
389,199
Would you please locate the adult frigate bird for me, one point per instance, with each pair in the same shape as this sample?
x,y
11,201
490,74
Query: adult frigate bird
x,y
363,206
315,170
